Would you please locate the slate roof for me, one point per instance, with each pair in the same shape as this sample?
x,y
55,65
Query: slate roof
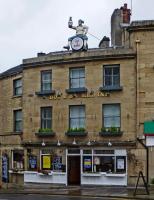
x,y
13,71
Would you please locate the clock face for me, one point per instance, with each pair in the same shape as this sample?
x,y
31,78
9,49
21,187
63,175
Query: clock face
x,y
77,43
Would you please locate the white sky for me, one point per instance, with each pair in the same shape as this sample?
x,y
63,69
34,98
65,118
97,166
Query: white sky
x,y
31,26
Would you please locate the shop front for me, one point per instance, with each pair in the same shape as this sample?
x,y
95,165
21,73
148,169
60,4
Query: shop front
x,y
78,166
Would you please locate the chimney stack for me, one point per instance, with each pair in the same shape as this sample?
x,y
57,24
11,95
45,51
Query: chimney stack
x,y
119,17
126,13
105,42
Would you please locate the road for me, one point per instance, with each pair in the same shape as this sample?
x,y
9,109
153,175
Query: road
x,y
48,197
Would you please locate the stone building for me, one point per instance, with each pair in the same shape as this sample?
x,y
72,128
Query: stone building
x,y
79,117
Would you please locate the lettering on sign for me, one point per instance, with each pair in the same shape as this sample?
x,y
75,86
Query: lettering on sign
x,y
87,95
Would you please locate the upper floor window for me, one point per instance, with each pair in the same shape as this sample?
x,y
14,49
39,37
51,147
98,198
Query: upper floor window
x,y
17,87
77,77
46,117
46,81
77,117
111,115
18,120
112,75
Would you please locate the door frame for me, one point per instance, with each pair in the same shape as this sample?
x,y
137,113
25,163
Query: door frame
x,y
72,155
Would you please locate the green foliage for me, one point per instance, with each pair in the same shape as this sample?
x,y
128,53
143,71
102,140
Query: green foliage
x,y
81,129
45,130
111,129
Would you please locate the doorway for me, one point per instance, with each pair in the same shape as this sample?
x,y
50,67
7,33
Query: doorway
x,y
73,170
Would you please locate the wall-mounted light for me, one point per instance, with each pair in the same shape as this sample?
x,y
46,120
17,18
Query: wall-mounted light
x,y
89,143
43,143
109,144
58,143
74,142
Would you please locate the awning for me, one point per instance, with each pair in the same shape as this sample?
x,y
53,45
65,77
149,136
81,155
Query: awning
x,y
149,128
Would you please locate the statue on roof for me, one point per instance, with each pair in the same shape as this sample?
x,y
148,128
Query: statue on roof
x,y
79,41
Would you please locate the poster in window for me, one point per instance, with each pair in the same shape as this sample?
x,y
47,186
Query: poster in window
x,y
46,162
120,163
57,163
5,168
32,162
87,162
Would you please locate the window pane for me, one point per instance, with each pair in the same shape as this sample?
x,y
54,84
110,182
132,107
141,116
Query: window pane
x,y
46,117
46,83
108,71
77,116
116,80
111,76
77,78
111,115
17,84
116,71
74,83
104,163
108,80
87,163
82,82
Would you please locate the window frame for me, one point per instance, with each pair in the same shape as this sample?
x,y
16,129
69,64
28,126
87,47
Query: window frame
x,y
111,66
50,81
70,78
16,88
13,160
118,104
70,106
15,120
41,110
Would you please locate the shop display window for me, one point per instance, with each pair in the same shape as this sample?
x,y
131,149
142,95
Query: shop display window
x,y
87,163
53,160
18,159
104,163
98,160
32,162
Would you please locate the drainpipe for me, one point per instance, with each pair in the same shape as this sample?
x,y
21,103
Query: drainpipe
x,y
138,108
137,87
147,158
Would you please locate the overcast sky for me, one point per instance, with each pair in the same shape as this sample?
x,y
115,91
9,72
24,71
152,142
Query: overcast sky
x,y
31,26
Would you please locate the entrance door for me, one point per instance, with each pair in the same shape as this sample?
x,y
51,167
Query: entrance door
x,y
74,170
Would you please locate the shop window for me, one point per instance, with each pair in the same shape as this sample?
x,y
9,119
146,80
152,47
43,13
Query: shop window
x,y
104,164
111,115
121,164
112,75
55,160
46,118
32,162
18,159
18,120
46,162
77,117
46,81
87,163
17,87
77,78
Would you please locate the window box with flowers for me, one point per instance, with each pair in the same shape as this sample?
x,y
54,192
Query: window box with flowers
x,y
45,132
110,131
76,132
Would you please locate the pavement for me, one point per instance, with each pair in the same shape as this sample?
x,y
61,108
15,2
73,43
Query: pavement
x,y
87,191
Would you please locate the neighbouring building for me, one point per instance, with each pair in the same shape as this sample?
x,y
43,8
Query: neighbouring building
x,y
79,116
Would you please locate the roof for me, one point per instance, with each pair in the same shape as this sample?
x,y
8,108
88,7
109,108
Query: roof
x,y
13,71
141,24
